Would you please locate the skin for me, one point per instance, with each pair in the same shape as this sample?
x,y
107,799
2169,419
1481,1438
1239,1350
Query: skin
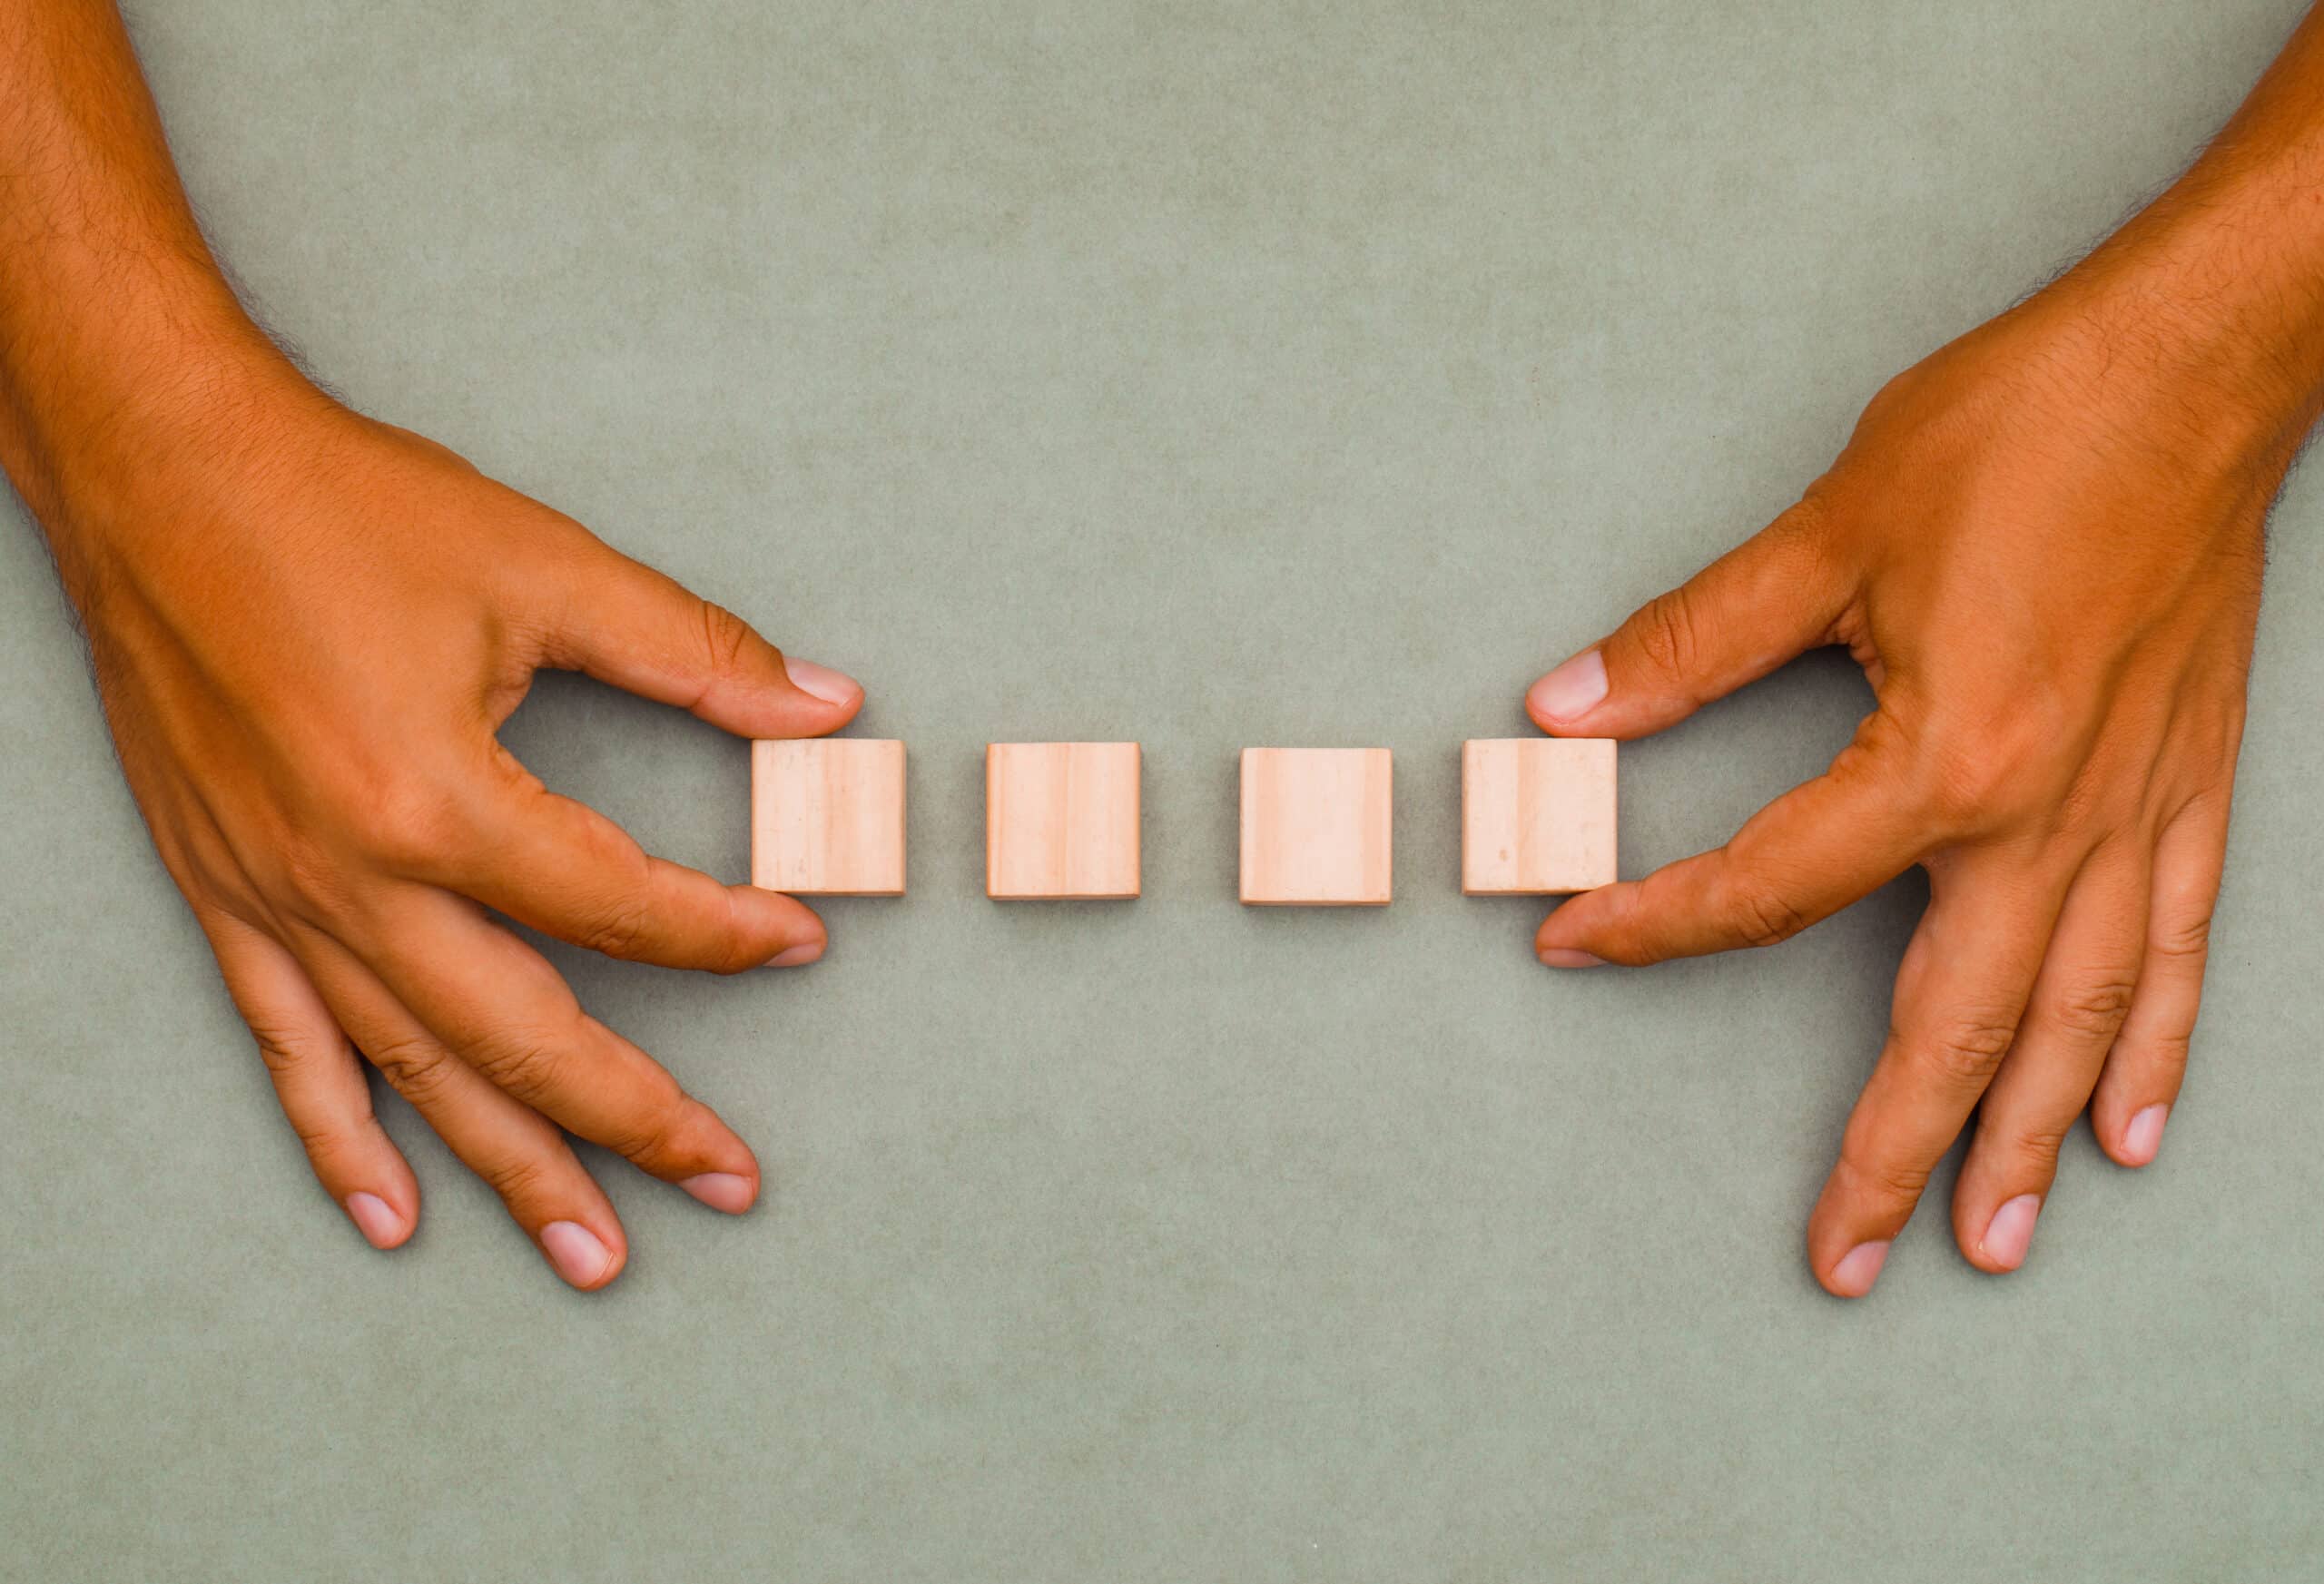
x,y
2044,544
306,628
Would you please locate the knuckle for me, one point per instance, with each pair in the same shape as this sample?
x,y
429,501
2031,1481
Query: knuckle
x,y
1965,784
1993,775
1966,1051
736,946
299,872
624,930
415,1068
327,1145
276,1047
1764,915
656,1137
1891,1182
410,825
2168,1050
2093,1009
2184,941
725,638
2041,1144
1668,633
318,1138
1880,761
2037,1144
516,1178
522,1065
1878,756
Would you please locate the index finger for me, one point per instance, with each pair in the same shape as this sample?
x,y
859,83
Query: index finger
x,y
625,624
556,865
1803,858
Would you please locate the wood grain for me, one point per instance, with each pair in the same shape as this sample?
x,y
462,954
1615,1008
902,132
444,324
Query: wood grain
x,y
1316,827
827,816
1537,815
1062,820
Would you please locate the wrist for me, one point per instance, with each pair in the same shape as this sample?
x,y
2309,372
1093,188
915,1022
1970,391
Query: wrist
x,y
107,332
113,425
2208,313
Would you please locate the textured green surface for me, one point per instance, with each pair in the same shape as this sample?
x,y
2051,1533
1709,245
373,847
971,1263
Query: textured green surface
x,y
1209,375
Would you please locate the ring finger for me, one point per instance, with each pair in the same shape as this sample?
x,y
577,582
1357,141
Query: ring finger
x,y
2149,1061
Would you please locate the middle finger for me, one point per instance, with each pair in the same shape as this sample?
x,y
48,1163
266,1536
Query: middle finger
x,y
2078,1005
498,1004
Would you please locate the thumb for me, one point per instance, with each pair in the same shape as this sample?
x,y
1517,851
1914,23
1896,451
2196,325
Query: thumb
x,y
627,624
1777,593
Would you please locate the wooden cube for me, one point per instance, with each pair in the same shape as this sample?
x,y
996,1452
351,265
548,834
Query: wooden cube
x,y
1316,826
827,816
1060,820
1537,815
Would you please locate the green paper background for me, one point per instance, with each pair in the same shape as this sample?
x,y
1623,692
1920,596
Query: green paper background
x,y
1209,375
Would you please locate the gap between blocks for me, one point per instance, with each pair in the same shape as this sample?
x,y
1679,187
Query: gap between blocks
x,y
1538,818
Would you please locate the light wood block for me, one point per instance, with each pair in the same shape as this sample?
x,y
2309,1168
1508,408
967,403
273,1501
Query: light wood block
x,y
1537,815
827,816
1316,826
1060,820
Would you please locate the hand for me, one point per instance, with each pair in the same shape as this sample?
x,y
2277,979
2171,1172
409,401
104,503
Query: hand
x,y
307,627
2044,547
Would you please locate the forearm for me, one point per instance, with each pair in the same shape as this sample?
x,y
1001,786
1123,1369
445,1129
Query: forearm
x,y
120,340
2216,289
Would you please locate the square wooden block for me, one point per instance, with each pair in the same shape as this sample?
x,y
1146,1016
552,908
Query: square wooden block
x,y
1537,815
827,816
1316,826
1060,820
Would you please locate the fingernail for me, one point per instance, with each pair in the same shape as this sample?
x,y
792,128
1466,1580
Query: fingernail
x,y
382,1227
2142,1139
1571,690
798,955
1859,1268
721,1191
576,1252
833,687
2010,1231
1566,957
